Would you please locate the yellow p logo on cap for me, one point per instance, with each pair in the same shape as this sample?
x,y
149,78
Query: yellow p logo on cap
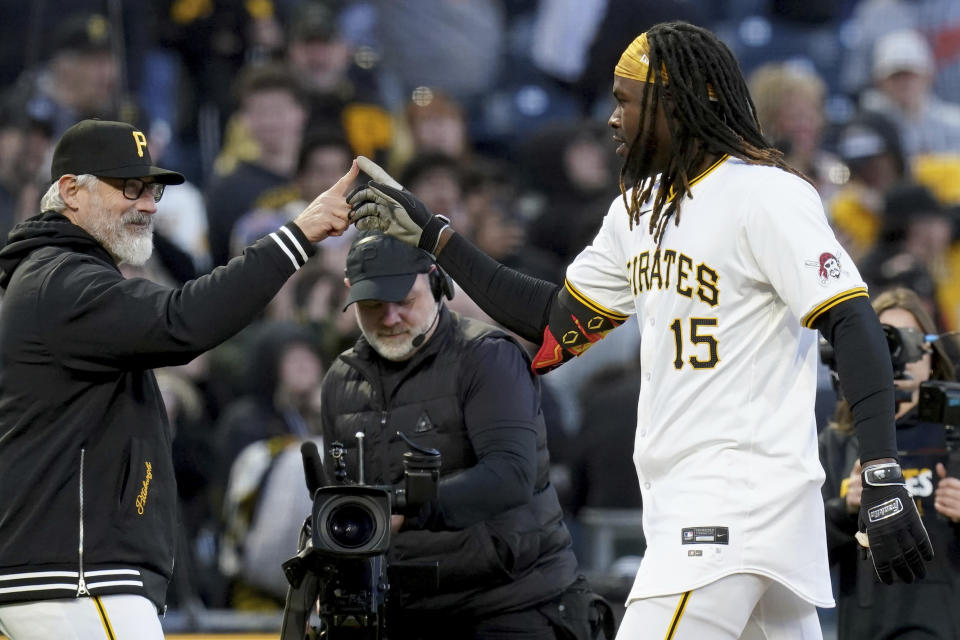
x,y
141,141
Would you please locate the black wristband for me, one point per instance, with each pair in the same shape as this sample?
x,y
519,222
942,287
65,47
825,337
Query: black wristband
x,y
882,474
430,235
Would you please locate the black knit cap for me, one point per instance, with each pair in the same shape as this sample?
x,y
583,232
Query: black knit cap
x,y
107,149
380,267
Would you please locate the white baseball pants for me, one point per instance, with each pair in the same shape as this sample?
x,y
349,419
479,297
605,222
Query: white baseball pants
x,y
743,606
116,617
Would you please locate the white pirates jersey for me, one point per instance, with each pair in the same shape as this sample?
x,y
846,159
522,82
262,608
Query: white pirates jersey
x,y
726,441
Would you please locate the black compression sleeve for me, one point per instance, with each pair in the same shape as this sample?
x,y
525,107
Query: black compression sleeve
x,y
517,301
865,372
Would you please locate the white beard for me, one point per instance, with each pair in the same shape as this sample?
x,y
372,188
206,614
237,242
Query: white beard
x,y
125,245
396,350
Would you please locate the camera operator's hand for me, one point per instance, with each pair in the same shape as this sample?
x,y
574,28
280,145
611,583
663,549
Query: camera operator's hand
x,y
385,205
946,500
396,521
854,489
897,539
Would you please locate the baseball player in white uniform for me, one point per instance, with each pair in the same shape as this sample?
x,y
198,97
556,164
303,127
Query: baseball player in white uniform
x,y
724,254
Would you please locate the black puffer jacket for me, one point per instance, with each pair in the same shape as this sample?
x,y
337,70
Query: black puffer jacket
x,y
496,528
87,493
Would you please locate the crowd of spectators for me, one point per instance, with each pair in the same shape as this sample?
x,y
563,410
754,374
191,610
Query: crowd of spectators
x,y
493,112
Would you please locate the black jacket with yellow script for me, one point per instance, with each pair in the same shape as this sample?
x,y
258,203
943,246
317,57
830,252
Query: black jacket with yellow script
x,y
87,493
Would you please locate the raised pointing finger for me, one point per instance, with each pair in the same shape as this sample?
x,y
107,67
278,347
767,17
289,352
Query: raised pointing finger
x,y
342,185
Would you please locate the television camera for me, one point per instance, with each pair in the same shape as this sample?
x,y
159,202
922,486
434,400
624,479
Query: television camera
x,y
939,400
341,571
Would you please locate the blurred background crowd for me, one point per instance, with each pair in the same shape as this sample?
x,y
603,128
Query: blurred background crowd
x,y
491,111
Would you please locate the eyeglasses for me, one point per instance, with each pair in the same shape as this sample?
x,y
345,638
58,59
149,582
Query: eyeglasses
x,y
132,188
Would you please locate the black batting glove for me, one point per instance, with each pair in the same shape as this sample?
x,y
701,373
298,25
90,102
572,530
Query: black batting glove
x,y
897,539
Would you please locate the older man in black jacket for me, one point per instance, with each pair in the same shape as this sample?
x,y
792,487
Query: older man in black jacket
x,y
466,389
87,493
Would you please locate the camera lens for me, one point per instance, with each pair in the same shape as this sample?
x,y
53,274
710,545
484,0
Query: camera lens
x,y
351,525
351,520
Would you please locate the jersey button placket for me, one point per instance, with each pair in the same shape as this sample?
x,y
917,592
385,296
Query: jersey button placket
x,y
652,322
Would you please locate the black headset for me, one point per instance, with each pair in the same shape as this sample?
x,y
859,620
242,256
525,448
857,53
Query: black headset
x,y
441,284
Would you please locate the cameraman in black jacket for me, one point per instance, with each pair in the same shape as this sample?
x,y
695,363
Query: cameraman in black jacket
x,y
866,609
87,493
465,389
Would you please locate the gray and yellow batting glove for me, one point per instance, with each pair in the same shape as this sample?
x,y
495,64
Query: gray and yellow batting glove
x,y
384,204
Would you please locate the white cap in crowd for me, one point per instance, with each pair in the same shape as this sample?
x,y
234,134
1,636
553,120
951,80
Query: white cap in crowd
x,y
903,50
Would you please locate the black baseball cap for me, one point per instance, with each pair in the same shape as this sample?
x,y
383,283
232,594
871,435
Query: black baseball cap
x,y
908,199
81,33
380,267
313,22
107,149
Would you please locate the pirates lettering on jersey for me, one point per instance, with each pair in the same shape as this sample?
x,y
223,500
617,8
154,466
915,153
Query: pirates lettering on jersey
x,y
919,482
921,485
661,270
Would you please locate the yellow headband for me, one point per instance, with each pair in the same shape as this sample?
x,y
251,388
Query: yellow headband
x,y
635,64
635,61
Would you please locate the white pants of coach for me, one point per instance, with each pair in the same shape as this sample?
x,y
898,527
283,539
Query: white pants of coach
x,y
119,617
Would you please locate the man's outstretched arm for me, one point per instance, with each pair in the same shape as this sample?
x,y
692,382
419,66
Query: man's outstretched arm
x,y
555,317
897,538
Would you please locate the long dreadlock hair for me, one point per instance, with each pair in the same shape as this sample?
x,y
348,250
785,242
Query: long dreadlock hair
x,y
712,113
